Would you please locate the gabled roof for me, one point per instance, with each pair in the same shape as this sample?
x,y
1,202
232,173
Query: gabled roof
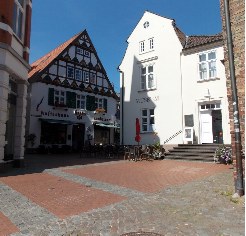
x,y
44,61
199,40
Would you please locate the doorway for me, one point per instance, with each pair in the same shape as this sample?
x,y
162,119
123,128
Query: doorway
x,y
78,134
211,126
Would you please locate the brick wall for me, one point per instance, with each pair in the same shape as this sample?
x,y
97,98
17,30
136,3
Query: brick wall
x,y
237,18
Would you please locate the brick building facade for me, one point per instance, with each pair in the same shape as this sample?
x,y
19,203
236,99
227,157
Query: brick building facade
x,y
15,27
237,19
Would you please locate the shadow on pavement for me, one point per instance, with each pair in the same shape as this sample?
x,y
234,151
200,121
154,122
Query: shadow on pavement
x,y
37,163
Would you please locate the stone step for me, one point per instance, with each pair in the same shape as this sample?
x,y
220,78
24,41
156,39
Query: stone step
x,y
193,152
190,158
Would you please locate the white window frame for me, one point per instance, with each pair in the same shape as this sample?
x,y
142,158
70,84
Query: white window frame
x,y
141,47
86,76
59,96
92,78
80,101
18,19
78,74
148,120
145,78
151,44
99,102
86,53
207,72
70,72
80,51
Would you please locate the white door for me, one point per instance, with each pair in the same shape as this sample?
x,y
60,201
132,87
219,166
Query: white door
x,y
206,127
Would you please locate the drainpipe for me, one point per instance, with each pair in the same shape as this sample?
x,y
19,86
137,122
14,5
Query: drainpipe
x,y
238,145
122,96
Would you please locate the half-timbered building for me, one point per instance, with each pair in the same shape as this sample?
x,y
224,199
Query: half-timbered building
x,y
72,101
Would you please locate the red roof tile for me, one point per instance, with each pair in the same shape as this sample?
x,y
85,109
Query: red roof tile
x,y
44,61
198,40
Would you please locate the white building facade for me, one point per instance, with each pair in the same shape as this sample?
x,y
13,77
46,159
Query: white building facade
x,y
163,85
72,101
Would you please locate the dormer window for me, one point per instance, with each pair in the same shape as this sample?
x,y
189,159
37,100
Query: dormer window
x,y
18,16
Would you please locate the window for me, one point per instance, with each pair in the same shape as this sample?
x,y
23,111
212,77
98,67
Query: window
x,y
78,74
80,101
80,51
147,78
141,46
70,72
210,106
148,120
86,53
146,24
151,43
99,102
59,97
207,65
86,76
92,78
18,18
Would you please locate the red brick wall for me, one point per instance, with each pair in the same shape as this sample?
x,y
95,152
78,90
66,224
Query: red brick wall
x,y
237,18
6,17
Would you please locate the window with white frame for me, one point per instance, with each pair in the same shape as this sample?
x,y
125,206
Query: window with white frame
x,y
18,16
86,53
60,97
78,74
86,76
148,120
151,43
99,102
207,65
80,101
70,72
79,51
147,77
141,47
92,78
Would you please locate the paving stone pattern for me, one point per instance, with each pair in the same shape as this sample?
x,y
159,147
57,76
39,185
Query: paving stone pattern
x,y
188,199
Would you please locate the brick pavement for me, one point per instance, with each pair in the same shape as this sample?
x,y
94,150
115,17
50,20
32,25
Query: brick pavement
x,y
113,198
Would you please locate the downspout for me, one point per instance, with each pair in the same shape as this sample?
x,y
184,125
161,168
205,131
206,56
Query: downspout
x,y
122,98
238,146
181,90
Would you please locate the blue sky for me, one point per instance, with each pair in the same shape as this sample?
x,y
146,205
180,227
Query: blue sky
x,y
110,22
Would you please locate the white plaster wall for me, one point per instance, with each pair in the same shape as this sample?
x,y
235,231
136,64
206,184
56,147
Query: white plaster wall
x,y
166,98
194,91
40,90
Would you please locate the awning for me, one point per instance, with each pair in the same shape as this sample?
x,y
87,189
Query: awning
x,y
54,121
107,125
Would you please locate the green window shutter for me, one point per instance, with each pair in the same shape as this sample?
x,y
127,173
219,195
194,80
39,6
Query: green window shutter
x,y
105,104
71,99
51,94
90,103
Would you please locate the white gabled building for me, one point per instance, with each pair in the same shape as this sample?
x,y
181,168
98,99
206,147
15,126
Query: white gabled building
x,y
172,82
72,101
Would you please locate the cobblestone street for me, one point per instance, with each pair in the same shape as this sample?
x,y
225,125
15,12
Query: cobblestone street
x,y
68,195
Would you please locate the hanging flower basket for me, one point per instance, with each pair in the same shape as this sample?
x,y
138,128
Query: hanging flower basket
x,y
100,110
